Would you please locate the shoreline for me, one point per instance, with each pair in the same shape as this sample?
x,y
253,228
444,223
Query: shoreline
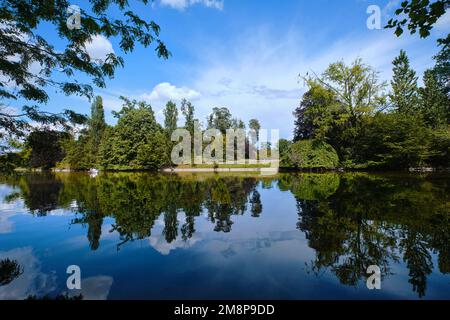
x,y
243,170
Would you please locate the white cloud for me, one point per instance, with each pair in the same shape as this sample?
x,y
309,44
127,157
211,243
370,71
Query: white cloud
x,y
257,75
98,48
166,91
160,244
183,4
158,241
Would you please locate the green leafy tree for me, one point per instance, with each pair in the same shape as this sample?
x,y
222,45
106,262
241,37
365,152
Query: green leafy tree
x,y
434,103
237,124
314,117
353,92
254,125
97,122
220,119
46,148
188,111
404,85
137,141
312,154
394,141
22,37
81,152
357,89
442,67
170,117
283,150
78,152
440,147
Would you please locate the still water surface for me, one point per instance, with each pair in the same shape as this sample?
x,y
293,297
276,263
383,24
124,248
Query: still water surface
x,y
291,236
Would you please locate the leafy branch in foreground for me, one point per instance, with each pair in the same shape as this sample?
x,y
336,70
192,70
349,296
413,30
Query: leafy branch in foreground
x,y
417,15
30,64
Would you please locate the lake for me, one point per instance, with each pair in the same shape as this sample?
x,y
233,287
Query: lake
x,y
210,236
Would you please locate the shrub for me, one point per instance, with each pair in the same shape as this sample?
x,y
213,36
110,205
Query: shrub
x,y
311,154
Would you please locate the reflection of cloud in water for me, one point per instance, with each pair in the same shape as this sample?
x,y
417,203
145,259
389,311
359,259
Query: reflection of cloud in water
x,y
159,243
32,281
6,226
292,243
94,288
17,207
7,211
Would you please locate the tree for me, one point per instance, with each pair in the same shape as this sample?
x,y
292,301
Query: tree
x,y
440,147
357,89
171,117
81,151
394,140
220,119
418,15
97,122
434,103
404,85
137,141
254,125
352,93
283,151
188,111
312,154
237,124
442,67
46,148
23,43
315,114
78,153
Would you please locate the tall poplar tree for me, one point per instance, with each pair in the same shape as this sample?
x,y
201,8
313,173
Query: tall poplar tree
x,y
171,117
188,112
97,123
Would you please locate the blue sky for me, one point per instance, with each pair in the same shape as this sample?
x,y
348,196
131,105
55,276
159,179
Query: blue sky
x,y
247,54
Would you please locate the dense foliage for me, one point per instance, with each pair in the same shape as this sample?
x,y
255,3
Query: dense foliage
x,y
311,154
136,142
23,43
46,149
350,109
418,15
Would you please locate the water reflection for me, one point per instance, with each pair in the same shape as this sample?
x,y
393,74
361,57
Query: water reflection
x,y
351,221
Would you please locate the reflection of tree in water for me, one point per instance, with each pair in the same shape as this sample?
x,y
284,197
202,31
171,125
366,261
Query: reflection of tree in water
x,y
137,201
256,204
418,260
352,221
371,219
225,198
9,271
40,192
